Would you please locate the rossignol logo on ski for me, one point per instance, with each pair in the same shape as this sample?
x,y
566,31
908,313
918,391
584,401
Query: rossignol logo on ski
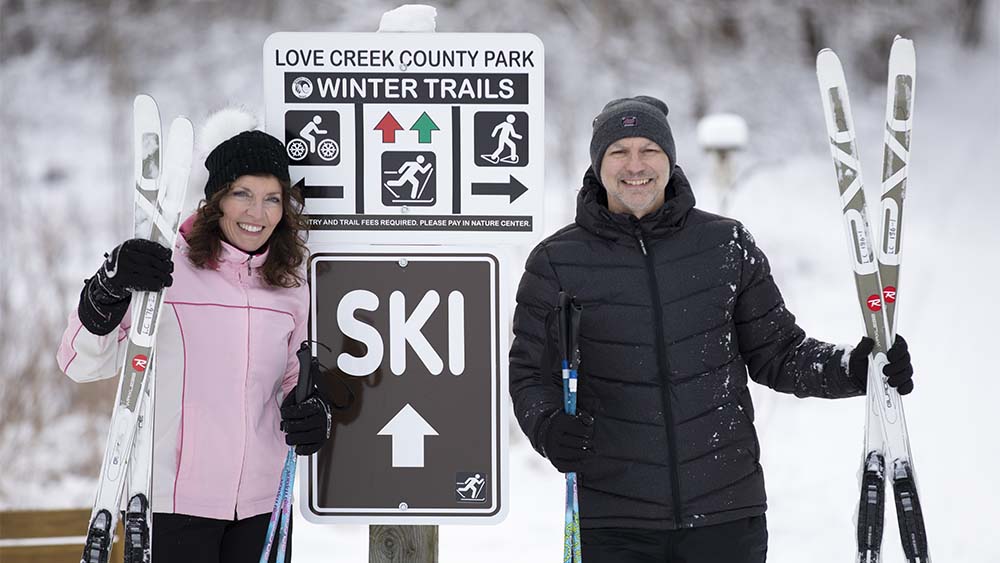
x,y
875,303
140,362
889,294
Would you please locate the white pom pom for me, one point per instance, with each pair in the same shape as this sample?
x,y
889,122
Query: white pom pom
x,y
223,125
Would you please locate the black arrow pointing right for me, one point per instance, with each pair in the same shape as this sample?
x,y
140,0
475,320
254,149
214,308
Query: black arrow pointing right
x,y
512,188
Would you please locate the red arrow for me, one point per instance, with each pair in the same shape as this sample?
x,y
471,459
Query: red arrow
x,y
388,126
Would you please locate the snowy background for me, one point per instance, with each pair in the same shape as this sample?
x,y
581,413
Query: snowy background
x,y
69,70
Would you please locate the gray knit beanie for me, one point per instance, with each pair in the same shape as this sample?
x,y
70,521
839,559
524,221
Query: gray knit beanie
x,y
641,116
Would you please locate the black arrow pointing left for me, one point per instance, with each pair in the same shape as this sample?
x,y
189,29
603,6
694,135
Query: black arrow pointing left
x,y
323,192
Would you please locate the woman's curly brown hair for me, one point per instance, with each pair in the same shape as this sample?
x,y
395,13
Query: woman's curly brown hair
x,y
287,249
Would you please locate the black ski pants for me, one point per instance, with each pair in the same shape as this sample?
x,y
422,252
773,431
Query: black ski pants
x,y
742,541
192,539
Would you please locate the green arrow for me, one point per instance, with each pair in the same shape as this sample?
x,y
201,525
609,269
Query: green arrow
x,y
424,126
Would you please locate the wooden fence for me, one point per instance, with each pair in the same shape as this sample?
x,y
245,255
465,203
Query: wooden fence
x,y
49,536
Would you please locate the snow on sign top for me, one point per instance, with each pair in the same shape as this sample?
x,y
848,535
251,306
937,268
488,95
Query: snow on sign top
x,y
409,17
407,138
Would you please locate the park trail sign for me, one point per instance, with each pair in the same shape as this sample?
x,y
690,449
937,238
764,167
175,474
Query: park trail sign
x,y
412,137
415,338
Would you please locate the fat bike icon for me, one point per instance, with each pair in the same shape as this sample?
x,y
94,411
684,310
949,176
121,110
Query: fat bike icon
x,y
313,137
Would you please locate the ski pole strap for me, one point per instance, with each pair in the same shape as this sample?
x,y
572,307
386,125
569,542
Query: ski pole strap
x,y
307,362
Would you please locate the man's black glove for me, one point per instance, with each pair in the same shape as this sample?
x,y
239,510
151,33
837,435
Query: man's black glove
x,y
899,370
568,440
307,424
136,264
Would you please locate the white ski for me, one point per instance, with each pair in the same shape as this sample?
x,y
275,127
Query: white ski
x,y
162,200
886,436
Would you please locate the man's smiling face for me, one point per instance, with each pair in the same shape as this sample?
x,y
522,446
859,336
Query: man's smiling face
x,y
634,171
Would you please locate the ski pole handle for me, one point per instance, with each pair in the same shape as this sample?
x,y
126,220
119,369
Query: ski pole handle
x,y
304,385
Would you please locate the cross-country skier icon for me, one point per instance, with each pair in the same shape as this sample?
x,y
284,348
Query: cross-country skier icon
x,y
505,133
326,149
471,489
408,175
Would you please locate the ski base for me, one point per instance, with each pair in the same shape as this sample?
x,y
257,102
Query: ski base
x,y
871,509
98,545
137,530
909,514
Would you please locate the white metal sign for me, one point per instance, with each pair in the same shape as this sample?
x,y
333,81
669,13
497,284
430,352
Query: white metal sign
x,y
412,137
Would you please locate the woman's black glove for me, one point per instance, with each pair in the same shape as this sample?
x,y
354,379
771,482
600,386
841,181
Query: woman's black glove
x,y
899,370
307,424
135,265
568,440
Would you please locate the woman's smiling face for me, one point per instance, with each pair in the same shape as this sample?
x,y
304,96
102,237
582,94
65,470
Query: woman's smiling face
x,y
251,209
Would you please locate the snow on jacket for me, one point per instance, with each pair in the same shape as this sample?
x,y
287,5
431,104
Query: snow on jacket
x,y
225,357
668,333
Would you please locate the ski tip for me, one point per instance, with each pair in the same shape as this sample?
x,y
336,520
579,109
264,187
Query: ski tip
x,y
902,55
183,127
902,60
144,101
829,69
827,57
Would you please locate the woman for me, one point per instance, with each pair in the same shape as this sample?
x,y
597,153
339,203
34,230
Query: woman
x,y
233,318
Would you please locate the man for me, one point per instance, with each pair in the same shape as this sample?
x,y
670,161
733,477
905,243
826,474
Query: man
x,y
679,307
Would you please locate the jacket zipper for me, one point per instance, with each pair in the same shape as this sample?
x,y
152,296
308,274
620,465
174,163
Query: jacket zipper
x,y
246,377
664,368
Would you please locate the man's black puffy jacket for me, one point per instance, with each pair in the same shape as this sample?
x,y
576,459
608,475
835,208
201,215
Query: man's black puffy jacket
x,y
678,307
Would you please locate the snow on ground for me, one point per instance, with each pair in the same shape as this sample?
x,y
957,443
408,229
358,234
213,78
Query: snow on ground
x,y
811,448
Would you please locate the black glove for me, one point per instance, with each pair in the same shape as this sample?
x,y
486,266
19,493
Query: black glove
x,y
899,370
568,440
307,424
136,264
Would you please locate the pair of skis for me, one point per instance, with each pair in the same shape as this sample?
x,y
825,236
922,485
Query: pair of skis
x,y
569,328
887,445
159,198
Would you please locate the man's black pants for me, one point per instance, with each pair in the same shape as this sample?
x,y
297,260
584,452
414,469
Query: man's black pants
x,y
742,541
192,539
